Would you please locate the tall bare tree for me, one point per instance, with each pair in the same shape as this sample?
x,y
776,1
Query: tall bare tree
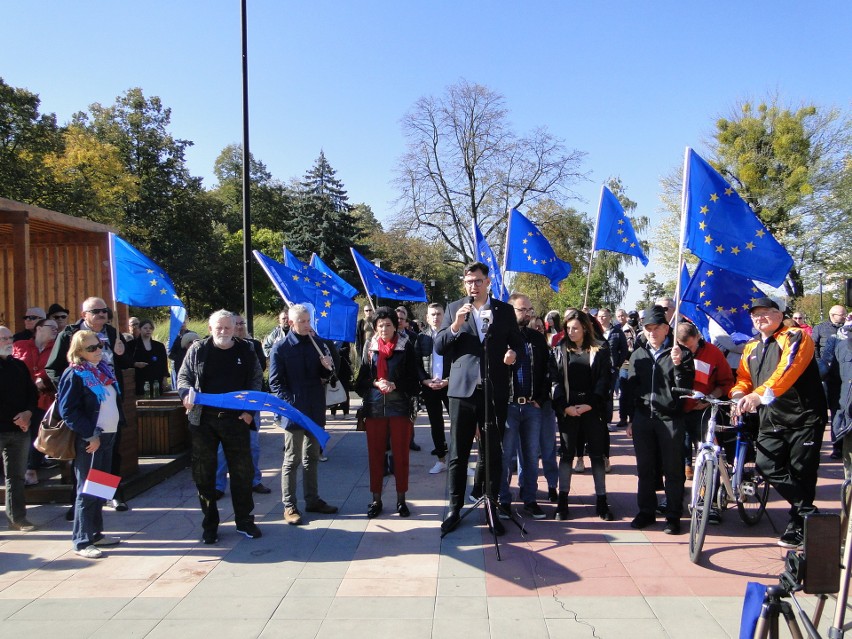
x,y
464,163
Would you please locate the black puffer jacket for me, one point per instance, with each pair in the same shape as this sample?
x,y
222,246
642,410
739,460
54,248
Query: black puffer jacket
x,y
402,371
650,382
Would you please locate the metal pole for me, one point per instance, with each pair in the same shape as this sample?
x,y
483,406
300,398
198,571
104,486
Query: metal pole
x,y
247,285
821,311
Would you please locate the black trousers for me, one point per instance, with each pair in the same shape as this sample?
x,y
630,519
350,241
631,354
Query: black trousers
x,y
466,414
789,459
233,434
435,402
656,439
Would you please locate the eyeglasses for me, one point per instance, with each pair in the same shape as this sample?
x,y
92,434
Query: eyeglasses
x,y
52,327
95,311
59,316
32,317
93,347
239,323
476,282
797,317
761,314
521,309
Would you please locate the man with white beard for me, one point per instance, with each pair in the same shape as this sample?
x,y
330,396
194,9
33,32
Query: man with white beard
x,y
221,363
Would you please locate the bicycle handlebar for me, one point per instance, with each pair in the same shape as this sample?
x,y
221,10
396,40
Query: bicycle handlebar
x,y
698,395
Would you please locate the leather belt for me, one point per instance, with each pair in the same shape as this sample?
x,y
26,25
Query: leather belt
x,y
221,414
523,400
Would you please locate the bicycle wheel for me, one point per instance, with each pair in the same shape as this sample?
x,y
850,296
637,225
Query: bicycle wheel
x,y
754,492
704,480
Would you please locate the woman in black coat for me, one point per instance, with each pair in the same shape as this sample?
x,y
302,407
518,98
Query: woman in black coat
x,y
580,408
149,359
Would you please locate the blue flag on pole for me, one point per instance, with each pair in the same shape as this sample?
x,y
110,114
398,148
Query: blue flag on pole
x,y
335,315
721,228
385,284
253,401
294,263
690,310
486,256
528,251
615,230
724,296
338,282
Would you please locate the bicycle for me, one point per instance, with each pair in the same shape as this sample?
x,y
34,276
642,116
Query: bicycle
x,y
743,483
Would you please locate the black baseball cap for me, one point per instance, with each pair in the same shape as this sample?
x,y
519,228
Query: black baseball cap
x,y
763,302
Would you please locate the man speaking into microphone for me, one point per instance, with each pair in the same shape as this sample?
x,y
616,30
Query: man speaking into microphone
x,y
477,327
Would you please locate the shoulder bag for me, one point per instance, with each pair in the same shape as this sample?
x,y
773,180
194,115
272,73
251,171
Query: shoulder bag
x,y
54,438
334,391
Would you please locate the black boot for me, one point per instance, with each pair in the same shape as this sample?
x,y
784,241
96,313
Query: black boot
x,y
562,507
603,510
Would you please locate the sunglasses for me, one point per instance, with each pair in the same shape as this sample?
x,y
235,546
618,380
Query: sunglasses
x,y
93,348
94,311
59,316
32,317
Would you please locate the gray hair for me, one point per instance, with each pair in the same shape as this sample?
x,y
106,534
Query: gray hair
x,y
296,311
220,314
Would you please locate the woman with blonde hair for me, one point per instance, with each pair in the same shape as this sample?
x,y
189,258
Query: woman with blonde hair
x,y
88,402
581,390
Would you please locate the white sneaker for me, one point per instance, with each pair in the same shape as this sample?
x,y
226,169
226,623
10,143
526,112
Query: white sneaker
x,y
579,466
439,467
90,552
607,465
471,472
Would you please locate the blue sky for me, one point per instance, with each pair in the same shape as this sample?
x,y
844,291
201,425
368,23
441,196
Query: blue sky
x,y
629,83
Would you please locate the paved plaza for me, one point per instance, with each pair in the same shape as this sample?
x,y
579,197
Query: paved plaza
x,y
347,576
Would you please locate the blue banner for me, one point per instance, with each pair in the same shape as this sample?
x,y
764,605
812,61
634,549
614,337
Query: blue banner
x,y
721,228
615,230
528,251
724,296
486,256
385,284
338,282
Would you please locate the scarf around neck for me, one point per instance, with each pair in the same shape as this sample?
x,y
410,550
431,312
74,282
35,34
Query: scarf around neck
x,y
385,352
95,378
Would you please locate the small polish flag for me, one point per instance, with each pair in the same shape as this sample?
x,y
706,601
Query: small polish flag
x,y
101,484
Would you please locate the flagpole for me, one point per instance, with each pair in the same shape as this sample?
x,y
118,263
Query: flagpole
x,y
113,284
506,251
272,279
684,203
363,281
592,252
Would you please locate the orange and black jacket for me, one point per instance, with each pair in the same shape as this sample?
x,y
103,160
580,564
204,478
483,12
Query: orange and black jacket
x,y
783,365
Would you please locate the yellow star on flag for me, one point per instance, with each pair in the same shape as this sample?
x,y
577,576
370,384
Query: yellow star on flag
x,y
713,197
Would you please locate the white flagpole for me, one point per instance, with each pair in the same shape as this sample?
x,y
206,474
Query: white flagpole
x,y
361,275
592,252
684,204
506,251
271,277
112,273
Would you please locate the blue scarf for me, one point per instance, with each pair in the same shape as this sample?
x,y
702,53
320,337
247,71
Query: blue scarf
x,y
96,379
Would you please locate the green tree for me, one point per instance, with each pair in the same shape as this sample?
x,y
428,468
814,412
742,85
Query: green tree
x,y
651,290
465,164
323,222
26,136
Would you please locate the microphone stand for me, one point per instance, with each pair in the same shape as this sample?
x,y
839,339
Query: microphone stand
x,y
489,426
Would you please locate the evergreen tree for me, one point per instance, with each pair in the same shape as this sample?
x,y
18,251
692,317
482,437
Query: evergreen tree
x,y
324,222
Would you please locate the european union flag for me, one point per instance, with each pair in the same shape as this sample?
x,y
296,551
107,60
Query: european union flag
x,y
138,281
338,282
528,251
724,296
615,230
336,315
316,276
386,284
723,230
486,256
690,310
253,401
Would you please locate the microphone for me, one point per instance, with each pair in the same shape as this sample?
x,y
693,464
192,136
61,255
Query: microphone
x,y
469,301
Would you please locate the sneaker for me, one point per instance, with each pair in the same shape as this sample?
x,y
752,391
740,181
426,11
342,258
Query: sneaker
x,y
292,516
106,540
90,552
504,510
792,538
209,537
118,505
672,527
715,517
31,478
22,526
475,494
534,510
579,466
322,508
439,467
471,472
323,458
250,530
607,465
552,495
260,488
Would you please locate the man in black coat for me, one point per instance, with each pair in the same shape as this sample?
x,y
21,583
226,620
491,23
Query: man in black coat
x,y
480,338
434,378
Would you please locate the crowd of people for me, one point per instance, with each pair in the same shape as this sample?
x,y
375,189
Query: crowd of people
x,y
534,393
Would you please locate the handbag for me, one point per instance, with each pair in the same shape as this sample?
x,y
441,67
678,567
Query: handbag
x,y
54,438
334,392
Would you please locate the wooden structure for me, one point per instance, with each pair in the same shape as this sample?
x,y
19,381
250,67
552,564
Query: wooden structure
x,y
162,425
49,257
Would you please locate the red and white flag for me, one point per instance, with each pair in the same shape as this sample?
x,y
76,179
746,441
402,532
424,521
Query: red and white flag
x,y
101,484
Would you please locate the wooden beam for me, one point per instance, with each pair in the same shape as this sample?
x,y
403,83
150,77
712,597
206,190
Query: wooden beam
x,y
20,269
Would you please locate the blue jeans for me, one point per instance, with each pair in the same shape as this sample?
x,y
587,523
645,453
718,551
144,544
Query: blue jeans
x,y
547,443
15,448
521,437
88,510
222,467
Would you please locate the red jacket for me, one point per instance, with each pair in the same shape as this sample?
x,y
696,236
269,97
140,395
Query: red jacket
x,y
711,371
27,352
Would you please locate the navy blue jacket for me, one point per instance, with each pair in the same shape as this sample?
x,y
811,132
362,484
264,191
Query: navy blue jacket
x,y
296,375
78,405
